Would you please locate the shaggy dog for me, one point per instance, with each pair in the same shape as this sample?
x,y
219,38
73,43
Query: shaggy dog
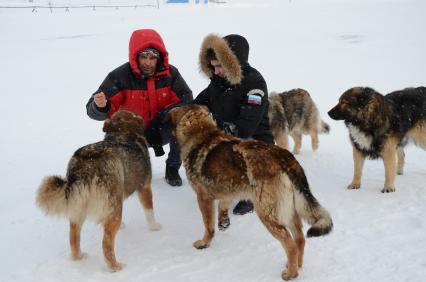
x,y
294,113
220,166
99,178
381,126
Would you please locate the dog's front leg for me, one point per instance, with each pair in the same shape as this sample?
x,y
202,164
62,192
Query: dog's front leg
x,y
389,160
359,159
145,197
223,217
206,205
401,160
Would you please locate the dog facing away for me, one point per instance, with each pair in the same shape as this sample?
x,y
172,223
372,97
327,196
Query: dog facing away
x,y
220,166
294,113
381,126
99,178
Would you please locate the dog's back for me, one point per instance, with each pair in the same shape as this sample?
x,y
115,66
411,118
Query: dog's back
x,y
98,176
409,108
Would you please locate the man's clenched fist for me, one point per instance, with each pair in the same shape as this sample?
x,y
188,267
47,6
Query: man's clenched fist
x,y
100,100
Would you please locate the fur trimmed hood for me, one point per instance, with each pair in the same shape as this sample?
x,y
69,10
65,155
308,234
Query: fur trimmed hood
x,y
231,51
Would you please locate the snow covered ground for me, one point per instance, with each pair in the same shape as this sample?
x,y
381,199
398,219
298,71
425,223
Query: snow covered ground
x,y
52,62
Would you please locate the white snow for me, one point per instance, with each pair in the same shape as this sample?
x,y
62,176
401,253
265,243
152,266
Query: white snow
x,y
50,63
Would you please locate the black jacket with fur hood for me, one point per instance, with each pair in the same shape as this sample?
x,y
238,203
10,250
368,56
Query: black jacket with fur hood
x,y
239,101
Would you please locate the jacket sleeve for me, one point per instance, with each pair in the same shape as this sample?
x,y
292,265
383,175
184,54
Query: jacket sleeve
x,y
203,98
253,106
180,87
110,86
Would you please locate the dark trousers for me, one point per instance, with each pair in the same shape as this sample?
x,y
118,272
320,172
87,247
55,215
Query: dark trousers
x,y
173,159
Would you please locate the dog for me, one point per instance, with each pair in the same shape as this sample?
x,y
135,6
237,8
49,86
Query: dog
x,y
221,166
381,126
99,178
294,113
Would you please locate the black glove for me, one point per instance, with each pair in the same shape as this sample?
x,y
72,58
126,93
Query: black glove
x,y
230,128
153,136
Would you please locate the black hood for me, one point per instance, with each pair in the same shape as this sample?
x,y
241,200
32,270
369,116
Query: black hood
x,y
239,47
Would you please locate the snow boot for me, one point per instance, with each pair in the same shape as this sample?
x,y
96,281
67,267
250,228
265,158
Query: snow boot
x,y
243,207
172,176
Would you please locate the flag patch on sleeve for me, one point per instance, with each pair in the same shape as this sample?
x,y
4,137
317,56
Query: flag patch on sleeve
x,y
254,99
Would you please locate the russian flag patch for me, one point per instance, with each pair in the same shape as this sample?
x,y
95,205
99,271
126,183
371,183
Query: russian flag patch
x,y
254,99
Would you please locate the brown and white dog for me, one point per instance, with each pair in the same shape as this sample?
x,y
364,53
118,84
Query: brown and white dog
x,y
99,178
220,166
294,113
381,126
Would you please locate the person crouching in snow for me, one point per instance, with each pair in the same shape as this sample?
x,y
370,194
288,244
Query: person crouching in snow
x,y
149,86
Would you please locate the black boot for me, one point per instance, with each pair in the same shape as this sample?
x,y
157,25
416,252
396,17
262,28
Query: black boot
x,y
172,176
243,207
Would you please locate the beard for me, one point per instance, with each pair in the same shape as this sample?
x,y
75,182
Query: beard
x,y
147,71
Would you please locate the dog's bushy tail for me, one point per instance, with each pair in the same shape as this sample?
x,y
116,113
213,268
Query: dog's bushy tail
x,y
51,195
310,210
324,128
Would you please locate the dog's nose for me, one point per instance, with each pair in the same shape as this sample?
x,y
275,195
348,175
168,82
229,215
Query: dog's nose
x,y
334,113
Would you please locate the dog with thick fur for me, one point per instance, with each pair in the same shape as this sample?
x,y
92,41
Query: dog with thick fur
x,y
221,166
99,178
294,113
381,126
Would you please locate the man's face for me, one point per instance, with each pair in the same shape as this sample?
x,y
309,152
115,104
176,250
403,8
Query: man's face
x,y
218,69
147,64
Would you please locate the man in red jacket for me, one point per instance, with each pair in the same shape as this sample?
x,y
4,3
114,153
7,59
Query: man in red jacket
x,y
148,86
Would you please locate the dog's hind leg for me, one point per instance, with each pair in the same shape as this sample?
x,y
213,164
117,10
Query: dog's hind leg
x,y
75,231
223,217
111,227
206,205
299,237
401,160
145,197
283,235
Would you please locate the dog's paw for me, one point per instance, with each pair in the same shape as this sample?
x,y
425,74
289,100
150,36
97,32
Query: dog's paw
x,y
154,226
354,186
79,256
388,190
116,267
200,244
400,171
223,224
286,275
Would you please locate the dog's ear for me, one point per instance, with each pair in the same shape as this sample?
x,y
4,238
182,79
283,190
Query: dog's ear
x,y
205,108
366,96
109,126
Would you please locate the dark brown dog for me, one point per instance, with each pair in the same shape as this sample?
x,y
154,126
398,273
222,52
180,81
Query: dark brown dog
x,y
220,166
99,178
294,113
381,126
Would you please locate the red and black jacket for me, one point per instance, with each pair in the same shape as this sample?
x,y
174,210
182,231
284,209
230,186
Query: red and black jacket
x,y
126,88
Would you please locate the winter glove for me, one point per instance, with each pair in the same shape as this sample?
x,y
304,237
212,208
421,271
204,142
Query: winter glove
x,y
153,136
230,128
